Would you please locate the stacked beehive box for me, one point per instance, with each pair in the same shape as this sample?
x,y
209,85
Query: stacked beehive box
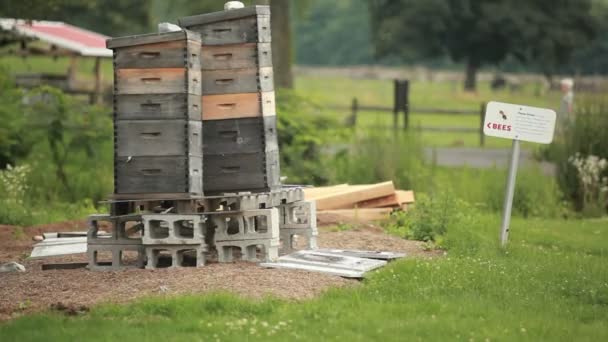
x,y
240,150
157,115
196,153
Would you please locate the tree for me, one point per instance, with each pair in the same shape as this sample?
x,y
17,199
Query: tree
x,y
281,43
482,32
104,16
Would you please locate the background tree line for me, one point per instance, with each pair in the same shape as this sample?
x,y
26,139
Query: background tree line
x,y
546,36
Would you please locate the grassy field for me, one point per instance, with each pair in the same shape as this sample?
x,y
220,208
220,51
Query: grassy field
x,y
550,284
328,92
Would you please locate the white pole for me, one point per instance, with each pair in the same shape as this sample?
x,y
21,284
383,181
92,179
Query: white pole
x,y
510,190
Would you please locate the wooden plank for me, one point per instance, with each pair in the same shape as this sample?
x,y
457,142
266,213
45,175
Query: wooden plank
x,y
241,171
157,81
312,193
158,138
157,107
354,195
158,55
236,56
158,175
150,38
238,31
380,202
396,199
248,135
406,196
237,81
361,215
231,106
213,17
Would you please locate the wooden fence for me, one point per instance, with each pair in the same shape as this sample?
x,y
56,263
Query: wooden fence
x,y
401,106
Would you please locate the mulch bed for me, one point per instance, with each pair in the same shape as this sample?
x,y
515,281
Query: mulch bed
x,y
74,291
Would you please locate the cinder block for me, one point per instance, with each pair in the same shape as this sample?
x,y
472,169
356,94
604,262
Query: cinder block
x,y
153,254
302,214
247,225
125,230
170,229
288,241
248,248
117,261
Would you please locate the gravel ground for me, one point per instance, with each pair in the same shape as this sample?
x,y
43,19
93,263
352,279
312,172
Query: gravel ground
x,y
76,290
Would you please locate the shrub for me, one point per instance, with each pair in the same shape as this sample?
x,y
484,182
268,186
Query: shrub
x,y
430,218
15,142
584,135
302,132
13,204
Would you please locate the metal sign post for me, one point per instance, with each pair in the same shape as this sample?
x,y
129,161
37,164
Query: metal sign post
x,y
518,123
509,192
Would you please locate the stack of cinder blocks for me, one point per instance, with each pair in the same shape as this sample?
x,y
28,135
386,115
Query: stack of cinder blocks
x,y
196,152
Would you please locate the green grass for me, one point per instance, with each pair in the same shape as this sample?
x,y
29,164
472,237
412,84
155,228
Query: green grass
x,y
550,284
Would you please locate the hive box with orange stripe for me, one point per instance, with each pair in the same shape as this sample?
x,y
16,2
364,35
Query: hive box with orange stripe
x,y
157,115
240,150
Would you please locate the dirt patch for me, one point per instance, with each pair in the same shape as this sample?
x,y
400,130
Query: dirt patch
x,y
74,291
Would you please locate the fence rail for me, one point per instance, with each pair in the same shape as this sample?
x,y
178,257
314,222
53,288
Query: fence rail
x,y
401,107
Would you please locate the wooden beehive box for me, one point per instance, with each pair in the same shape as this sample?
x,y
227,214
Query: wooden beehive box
x,y
157,115
240,149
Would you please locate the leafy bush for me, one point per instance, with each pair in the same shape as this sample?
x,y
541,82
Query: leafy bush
x,y
302,133
15,143
14,187
430,218
586,136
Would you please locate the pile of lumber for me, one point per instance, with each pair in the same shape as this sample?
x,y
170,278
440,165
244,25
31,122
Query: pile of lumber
x,y
367,202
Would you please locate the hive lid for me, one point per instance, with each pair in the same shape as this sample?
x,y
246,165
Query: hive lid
x,y
151,38
208,18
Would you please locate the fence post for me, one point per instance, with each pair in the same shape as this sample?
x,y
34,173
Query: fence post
x,y
406,104
482,118
354,109
396,103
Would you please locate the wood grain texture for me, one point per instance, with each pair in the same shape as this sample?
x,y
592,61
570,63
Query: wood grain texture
x,y
246,135
158,138
151,38
240,171
236,81
237,31
349,196
233,136
171,54
213,17
158,175
157,81
361,215
232,106
236,56
157,107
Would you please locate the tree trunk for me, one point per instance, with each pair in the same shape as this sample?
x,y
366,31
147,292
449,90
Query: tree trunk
x,y
281,43
470,82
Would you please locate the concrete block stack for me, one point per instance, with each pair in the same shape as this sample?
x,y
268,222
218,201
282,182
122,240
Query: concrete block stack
x,y
195,149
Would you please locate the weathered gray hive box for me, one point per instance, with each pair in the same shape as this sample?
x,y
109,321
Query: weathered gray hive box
x,y
157,114
240,150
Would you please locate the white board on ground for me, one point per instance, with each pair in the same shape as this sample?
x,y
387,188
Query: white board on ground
x,y
517,122
345,266
363,254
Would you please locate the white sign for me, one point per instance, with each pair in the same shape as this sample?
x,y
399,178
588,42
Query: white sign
x,y
509,121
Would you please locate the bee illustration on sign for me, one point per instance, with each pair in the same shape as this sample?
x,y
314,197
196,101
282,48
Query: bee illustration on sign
x,y
504,116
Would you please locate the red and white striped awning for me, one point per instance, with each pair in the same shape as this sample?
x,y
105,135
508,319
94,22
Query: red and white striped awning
x,y
60,34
